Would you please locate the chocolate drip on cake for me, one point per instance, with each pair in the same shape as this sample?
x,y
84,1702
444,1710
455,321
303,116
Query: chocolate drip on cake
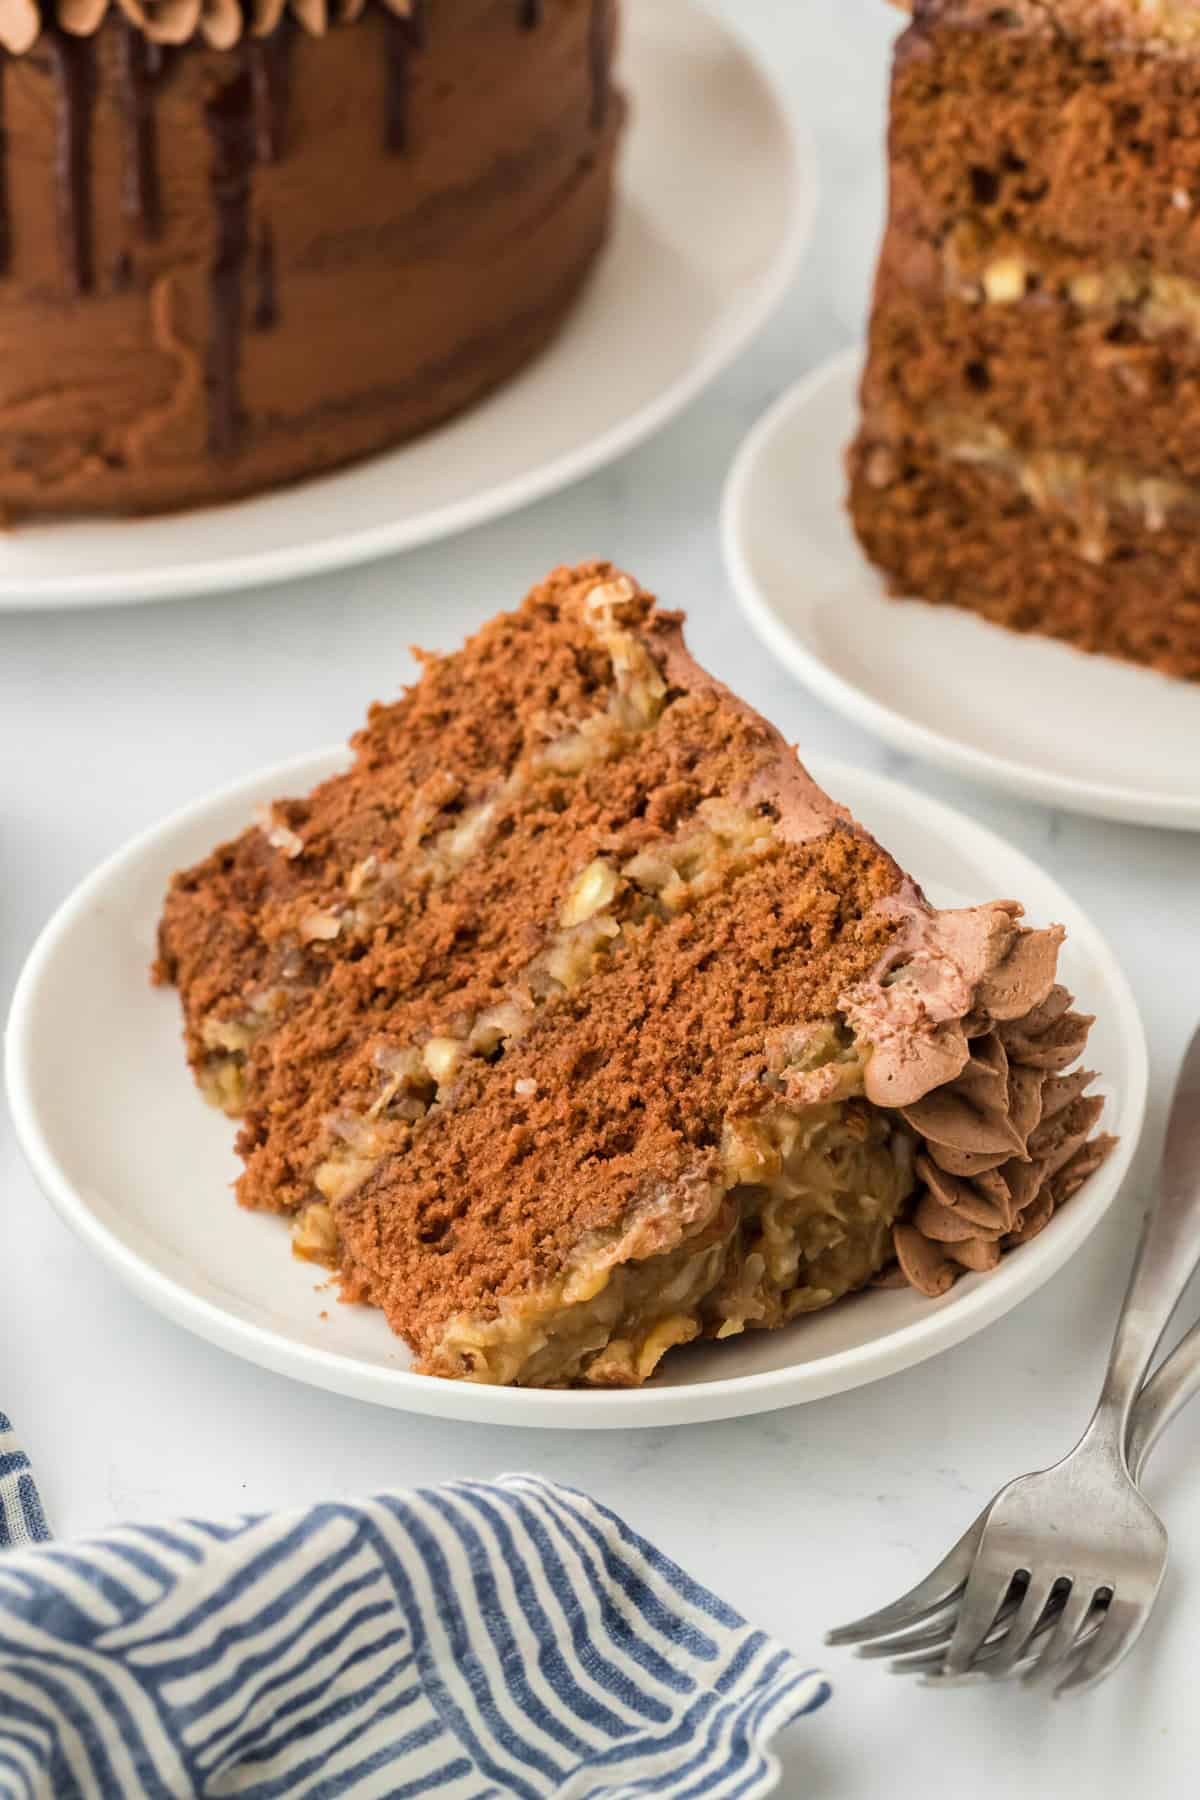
x,y
270,71
5,230
266,298
531,14
403,36
139,70
230,120
600,36
73,62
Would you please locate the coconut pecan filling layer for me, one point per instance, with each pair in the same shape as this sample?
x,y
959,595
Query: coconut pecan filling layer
x,y
802,1215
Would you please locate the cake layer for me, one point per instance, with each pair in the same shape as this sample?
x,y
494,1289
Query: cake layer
x,y
418,832
1001,116
614,1030
226,268
1041,346
1103,559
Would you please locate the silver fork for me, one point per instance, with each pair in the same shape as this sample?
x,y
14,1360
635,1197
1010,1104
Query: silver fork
x,y
915,1630
1056,1578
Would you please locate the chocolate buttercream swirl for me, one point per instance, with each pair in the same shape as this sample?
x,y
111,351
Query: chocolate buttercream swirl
x,y
220,23
972,1039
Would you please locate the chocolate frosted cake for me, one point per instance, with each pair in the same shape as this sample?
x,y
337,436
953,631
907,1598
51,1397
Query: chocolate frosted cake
x,y
574,1021
1030,441
243,241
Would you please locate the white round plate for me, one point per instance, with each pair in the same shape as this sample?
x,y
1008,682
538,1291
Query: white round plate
x,y
140,1167
672,301
1023,713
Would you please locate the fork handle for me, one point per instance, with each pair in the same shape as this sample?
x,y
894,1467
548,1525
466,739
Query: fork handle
x,y
1172,1385
1168,1255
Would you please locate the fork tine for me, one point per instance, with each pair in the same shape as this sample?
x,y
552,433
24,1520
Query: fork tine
x,y
941,1586
985,1594
913,1608
1118,1633
926,1663
929,1662
1063,1641
928,1647
934,1634
1001,1662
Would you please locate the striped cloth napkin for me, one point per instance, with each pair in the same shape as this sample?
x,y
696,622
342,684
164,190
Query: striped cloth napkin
x,y
472,1642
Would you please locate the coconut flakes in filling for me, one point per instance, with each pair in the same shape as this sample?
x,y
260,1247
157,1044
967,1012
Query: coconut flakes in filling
x,y
810,1183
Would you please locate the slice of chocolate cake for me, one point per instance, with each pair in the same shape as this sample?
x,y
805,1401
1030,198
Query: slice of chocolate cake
x,y
575,1022
1030,438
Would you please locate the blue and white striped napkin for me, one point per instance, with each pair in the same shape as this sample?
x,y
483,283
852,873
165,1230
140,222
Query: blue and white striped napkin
x,y
22,1520
470,1642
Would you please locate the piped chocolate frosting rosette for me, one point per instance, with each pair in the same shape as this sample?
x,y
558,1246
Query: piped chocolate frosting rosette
x,y
220,23
972,1039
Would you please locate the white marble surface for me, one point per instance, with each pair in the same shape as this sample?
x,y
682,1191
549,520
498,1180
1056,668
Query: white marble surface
x,y
802,1518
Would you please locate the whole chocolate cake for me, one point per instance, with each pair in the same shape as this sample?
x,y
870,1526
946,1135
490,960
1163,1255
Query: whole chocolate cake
x,y
574,1021
1030,440
243,241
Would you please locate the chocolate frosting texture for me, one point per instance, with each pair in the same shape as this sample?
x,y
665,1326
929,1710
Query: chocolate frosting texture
x,y
804,810
972,1039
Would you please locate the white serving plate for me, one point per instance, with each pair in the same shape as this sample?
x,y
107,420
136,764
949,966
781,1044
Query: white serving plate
x,y
1020,712
673,299
139,1167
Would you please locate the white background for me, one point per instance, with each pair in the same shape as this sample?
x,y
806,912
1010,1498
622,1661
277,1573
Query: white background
x,y
109,719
